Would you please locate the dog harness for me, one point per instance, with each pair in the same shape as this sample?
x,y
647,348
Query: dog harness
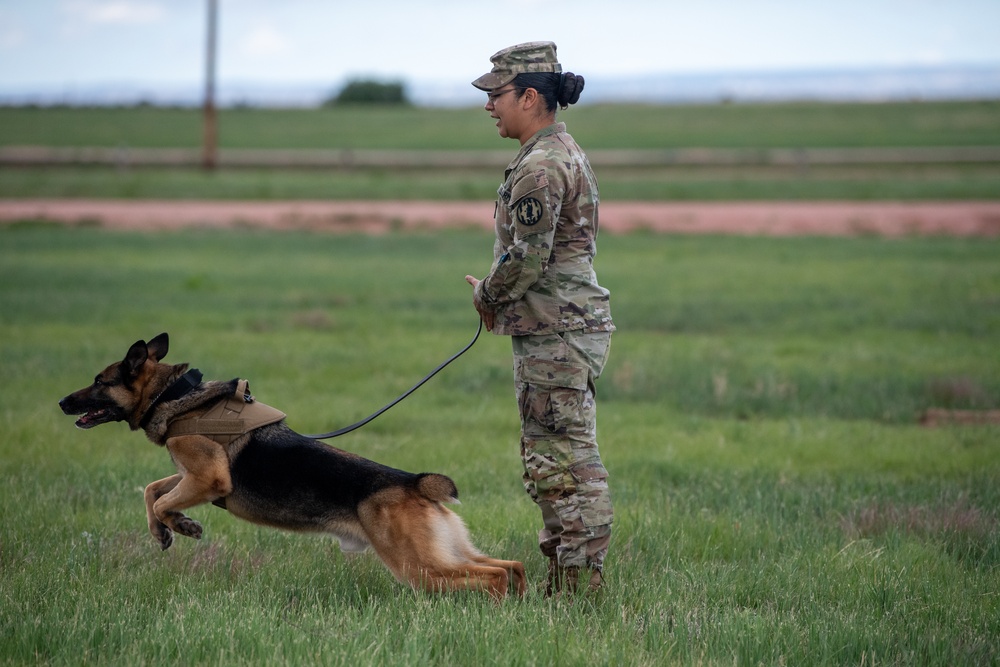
x,y
229,418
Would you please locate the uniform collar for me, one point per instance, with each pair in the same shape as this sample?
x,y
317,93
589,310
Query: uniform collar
x,y
554,128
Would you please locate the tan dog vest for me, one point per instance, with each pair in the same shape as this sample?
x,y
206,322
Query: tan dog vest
x,y
229,419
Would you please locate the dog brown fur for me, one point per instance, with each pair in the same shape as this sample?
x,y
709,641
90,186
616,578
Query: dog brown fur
x,y
276,477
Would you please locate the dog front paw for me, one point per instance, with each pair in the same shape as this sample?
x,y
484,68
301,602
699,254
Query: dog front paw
x,y
188,527
164,536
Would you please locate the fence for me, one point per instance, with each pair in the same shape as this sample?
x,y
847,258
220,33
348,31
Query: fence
x,y
27,156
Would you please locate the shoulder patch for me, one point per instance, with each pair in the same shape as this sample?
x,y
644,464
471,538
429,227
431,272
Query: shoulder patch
x,y
528,212
529,203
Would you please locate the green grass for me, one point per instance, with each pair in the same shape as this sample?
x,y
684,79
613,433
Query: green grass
x,y
776,500
741,126
797,125
913,183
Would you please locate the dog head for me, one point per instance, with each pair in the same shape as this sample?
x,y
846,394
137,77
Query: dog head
x,y
118,391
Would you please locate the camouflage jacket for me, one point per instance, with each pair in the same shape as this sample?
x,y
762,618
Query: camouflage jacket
x,y
542,279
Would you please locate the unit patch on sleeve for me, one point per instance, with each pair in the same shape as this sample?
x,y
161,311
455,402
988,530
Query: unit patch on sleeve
x,y
529,204
528,211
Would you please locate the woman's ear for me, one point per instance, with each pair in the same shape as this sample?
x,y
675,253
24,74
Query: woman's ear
x,y
530,98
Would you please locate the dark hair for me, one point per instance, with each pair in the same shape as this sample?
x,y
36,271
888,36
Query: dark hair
x,y
557,89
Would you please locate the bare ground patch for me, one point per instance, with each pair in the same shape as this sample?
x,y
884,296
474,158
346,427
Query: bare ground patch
x,y
818,218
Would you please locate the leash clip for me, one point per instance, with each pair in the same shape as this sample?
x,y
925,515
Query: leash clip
x,y
247,396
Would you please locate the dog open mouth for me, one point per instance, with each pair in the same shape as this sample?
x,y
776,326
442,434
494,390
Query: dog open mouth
x,y
95,417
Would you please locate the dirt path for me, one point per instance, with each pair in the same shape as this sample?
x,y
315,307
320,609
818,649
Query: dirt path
x,y
751,218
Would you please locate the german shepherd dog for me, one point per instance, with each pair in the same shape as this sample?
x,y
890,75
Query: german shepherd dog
x,y
277,477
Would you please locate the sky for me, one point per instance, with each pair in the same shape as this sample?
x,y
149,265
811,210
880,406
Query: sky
x,y
72,44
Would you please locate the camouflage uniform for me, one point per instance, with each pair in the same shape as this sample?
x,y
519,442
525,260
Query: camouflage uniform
x,y
544,292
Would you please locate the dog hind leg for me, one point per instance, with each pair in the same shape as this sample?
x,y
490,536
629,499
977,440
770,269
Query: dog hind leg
x,y
451,531
492,580
460,542
423,569
514,569
427,546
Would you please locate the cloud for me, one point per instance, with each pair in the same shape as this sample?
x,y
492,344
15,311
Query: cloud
x,y
263,41
116,12
11,34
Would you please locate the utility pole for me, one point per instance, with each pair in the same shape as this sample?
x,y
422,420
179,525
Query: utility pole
x,y
210,137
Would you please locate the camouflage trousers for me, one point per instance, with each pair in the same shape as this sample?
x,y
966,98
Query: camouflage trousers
x,y
554,378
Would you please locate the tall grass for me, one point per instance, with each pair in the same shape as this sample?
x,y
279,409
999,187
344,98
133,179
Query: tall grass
x,y
776,501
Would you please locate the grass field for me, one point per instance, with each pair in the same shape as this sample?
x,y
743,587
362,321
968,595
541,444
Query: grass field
x,y
739,126
776,501
797,125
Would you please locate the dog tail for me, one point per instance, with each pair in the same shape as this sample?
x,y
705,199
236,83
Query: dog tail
x,y
438,488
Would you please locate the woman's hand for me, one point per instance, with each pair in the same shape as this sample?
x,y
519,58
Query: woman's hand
x,y
488,316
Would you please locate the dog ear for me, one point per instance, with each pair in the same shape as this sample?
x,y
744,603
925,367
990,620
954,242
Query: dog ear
x,y
158,346
136,357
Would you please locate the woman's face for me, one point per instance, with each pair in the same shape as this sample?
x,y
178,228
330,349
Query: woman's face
x,y
502,105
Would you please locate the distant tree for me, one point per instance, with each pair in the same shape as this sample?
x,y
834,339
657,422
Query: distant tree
x,y
367,91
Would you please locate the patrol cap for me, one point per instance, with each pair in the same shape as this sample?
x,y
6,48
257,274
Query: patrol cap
x,y
518,59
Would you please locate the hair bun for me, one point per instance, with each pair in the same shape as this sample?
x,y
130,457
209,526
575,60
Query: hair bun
x,y
570,87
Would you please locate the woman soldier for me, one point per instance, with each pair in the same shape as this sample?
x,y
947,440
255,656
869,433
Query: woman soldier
x,y
543,292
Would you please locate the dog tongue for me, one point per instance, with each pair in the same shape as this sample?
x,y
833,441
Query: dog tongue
x,y
86,421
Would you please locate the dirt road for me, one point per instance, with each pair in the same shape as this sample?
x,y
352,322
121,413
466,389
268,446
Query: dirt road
x,y
748,218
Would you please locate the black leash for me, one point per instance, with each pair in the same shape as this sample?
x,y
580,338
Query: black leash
x,y
348,429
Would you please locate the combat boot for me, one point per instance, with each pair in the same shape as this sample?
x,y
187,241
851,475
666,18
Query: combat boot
x,y
552,585
572,580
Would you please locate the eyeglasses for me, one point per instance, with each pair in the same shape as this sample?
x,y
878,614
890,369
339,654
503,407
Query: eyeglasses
x,y
491,98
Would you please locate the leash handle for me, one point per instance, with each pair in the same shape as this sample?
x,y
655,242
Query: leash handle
x,y
357,425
